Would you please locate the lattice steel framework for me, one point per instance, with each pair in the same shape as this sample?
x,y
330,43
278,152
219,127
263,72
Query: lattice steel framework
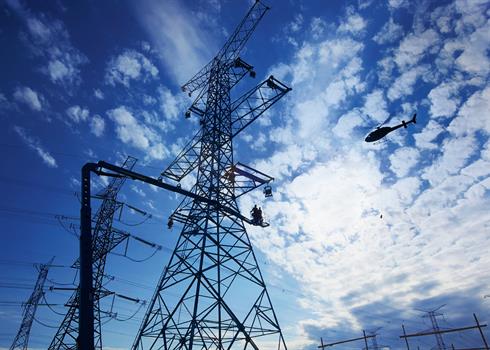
x,y
22,338
212,294
105,239
435,328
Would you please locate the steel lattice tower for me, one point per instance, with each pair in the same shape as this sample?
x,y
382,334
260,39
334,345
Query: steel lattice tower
x,y
22,338
105,239
212,295
435,328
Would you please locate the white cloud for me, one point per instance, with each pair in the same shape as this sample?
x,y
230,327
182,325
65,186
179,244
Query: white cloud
x,y
444,100
4,103
404,84
347,123
318,27
397,3
258,142
130,65
99,94
354,24
474,115
474,58
178,36
338,51
130,131
455,154
48,38
170,104
158,151
35,145
97,125
425,138
414,47
385,70
297,23
58,70
38,29
326,210
404,159
77,114
375,106
29,97
138,190
389,33
443,18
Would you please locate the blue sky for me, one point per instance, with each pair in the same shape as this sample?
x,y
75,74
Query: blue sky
x,y
84,81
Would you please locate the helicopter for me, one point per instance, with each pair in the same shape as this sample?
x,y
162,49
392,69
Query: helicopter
x,y
381,132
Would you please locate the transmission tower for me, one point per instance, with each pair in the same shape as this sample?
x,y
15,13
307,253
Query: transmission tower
x,y
22,338
432,314
212,294
105,239
374,340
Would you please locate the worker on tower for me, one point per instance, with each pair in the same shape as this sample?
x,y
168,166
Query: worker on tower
x,y
255,215
170,222
260,219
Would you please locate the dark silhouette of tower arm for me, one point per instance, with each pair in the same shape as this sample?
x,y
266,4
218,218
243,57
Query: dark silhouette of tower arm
x,y
117,171
255,102
442,331
230,51
186,160
322,346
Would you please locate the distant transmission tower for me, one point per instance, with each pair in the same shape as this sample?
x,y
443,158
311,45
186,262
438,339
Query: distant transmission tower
x,y
105,239
212,294
432,314
374,340
22,338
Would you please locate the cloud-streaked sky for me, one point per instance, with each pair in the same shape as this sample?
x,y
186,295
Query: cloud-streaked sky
x,y
86,81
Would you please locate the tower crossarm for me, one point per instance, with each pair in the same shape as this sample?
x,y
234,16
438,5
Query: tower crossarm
x,y
244,179
238,69
199,80
186,160
230,51
255,102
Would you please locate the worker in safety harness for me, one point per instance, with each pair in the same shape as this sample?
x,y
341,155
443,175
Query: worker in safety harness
x,y
256,215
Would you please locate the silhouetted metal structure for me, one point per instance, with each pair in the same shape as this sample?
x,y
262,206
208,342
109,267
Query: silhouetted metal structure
x,y
105,238
374,339
212,294
437,332
432,314
364,337
22,338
